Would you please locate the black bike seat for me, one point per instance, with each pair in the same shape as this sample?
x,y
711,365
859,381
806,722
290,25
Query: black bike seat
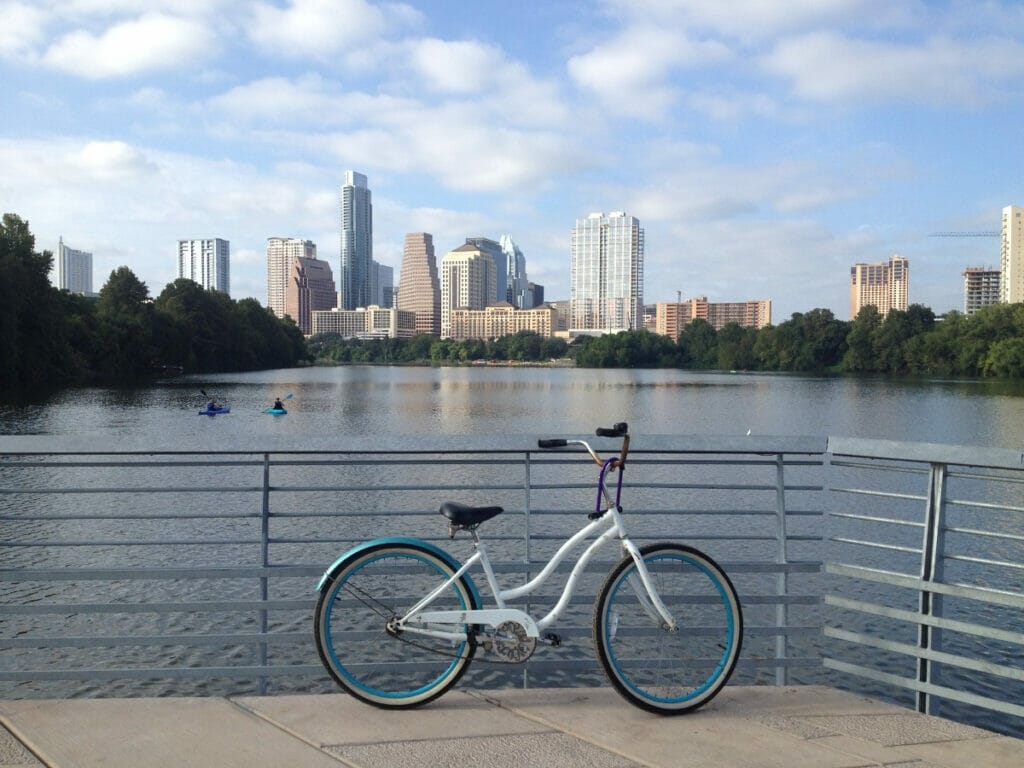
x,y
465,515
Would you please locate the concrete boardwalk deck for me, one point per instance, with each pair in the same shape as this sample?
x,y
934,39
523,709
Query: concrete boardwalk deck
x,y
745,726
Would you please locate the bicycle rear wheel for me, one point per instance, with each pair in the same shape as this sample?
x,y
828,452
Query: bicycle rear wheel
x,y
378,666
669,672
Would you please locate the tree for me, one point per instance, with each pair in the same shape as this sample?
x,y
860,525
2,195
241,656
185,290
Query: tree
x,y
736,347
698,345
860,350
1005,358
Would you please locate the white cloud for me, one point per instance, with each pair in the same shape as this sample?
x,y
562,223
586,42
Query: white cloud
x,y
461,67
323,28
631,72
21,29
829,67
152,42
111,160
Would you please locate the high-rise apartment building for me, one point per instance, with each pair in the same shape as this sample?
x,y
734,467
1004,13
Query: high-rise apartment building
x,y
469,280
883,285
607,274
206,262
981,288
419,288
74,269
356,243
282,253
371,322
516,282
1012,255
671,317
501,319
310,288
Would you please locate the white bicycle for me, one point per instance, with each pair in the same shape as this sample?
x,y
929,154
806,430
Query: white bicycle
x,y
398,620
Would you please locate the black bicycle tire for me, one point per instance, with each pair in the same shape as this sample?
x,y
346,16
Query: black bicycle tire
x,y
620,680
330,656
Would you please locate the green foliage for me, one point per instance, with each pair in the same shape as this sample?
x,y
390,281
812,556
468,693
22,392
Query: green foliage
x,y
50,337
989,343
525,346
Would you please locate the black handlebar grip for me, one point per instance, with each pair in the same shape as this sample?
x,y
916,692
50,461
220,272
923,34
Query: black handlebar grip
x,y
556,442
619,430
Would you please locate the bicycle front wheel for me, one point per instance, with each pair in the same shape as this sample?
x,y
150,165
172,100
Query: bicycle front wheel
x,y
661,670
373,663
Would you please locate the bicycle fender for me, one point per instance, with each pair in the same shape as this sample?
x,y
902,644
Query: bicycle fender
x,y
432,548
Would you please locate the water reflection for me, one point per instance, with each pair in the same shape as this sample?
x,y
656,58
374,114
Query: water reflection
x,y
366,401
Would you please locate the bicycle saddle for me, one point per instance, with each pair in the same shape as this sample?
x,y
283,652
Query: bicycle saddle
x,y
466,516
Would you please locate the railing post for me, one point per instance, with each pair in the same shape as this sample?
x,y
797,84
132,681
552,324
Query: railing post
x,y
782,578
929,637
265,562
526,548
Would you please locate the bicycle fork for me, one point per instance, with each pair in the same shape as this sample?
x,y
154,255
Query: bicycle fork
x,y
646,594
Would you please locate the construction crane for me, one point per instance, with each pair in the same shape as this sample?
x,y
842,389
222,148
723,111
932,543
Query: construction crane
x,y
966,234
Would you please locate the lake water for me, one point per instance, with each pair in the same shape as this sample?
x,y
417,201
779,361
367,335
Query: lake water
x,y
366,401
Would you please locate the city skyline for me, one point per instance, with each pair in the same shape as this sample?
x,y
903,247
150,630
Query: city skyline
x,y
752,139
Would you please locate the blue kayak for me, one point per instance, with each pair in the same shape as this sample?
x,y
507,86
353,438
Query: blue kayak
x,y
214,411
277,411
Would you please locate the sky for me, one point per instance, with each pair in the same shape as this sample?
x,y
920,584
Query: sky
x,y
765,146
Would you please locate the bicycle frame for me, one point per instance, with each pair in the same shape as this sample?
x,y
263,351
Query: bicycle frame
x,y
421,621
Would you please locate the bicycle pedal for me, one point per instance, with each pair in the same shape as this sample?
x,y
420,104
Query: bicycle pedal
x,y
552,639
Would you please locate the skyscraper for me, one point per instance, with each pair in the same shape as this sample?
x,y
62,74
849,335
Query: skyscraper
x,y
981,288
74,269
419,289
468,281
382,285
356,243
282,253
886,286
310,289
516,291
1012,255
497,253
206,262
607,274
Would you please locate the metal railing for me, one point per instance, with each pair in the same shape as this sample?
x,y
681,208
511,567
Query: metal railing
x,y
172,571
144,571
929,566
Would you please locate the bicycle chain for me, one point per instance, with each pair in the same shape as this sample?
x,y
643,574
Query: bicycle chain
x,y
369,600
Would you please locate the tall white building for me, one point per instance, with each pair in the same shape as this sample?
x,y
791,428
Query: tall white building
x,y
206,262
282,254
469,280
74,269
1012,255
356,275
607,274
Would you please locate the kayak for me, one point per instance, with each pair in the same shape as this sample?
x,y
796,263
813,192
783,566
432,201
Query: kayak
x,y
214,411
277,411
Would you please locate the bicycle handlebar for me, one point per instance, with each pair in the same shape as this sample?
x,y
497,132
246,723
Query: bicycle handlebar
x,y
619,430
553,443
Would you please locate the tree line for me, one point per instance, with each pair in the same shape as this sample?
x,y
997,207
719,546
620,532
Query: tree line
x,y
525,346
988,343
50,337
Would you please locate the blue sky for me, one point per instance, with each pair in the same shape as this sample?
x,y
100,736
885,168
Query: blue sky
x,y
765,146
